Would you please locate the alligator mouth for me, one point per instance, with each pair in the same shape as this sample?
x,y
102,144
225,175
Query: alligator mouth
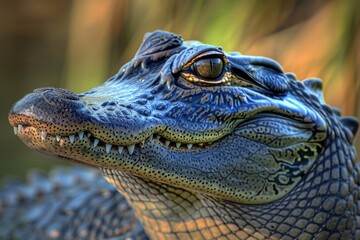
x,y
31,130
23,130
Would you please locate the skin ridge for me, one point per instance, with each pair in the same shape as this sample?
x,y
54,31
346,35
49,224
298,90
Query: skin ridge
x,y
207,145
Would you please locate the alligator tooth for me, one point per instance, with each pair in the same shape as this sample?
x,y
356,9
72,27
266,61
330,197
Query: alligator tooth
x,y
168,85
15,130
158,137
189,146
43,135
96,142
120,149
177,144
72,138
151,137
108,147
58,138
201,144
88,134
20,127
131,149
167,143
81,135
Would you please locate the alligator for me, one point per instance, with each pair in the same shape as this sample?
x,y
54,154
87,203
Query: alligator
x,y
202,144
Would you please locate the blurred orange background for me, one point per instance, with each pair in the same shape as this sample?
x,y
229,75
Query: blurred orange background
x,y
79,44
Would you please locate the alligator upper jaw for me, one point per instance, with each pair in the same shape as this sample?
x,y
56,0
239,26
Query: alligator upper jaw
x,y
56,122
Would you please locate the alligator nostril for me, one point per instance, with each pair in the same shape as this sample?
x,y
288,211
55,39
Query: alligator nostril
x,y
62,93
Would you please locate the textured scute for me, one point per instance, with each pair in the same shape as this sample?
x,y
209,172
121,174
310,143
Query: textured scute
x,y
65,205
351,123
315,86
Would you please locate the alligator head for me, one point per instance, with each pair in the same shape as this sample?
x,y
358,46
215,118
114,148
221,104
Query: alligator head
x,y
188,115
205,143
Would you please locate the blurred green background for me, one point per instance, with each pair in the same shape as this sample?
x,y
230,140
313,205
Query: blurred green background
x,y
79,44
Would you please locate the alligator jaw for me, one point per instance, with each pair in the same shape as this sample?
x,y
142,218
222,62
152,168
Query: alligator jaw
x,y
159,154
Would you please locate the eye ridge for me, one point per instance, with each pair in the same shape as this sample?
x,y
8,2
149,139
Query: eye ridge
x,y
209,68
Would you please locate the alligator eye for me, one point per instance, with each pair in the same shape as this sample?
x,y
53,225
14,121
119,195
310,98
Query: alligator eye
x,y
209,68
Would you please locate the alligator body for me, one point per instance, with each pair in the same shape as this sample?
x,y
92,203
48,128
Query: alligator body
x,y
205,144
65,205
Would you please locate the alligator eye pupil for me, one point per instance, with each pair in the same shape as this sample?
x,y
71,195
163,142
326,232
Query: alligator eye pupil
x,y
208,67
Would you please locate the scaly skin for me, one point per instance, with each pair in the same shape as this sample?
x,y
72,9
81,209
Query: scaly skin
x,y
65,205
205,144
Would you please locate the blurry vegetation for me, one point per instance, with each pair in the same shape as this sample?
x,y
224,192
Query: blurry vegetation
x,y
79,44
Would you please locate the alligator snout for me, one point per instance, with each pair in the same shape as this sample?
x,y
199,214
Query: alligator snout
x,y
49,105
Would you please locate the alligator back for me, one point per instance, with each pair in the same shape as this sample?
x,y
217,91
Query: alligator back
x,y
65,205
